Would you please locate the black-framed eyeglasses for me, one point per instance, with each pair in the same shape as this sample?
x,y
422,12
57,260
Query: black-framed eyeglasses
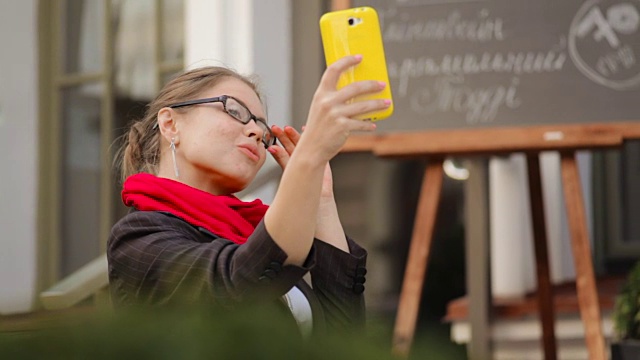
x,y
237,110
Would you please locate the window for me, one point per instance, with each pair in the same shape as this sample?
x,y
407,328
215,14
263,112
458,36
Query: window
x,y
103,62
616,206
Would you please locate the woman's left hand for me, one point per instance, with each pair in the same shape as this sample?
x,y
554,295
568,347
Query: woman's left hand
x,y
328,226
289,137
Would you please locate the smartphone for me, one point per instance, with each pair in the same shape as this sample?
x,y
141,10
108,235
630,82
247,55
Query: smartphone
x,y
357,31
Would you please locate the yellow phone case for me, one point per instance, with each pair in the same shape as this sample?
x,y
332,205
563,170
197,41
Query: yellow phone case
x,y
357,31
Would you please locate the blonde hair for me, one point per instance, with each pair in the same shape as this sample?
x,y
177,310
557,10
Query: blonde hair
x,y
140,149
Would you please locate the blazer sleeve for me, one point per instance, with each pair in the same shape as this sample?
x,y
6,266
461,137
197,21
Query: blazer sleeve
x,y
155,258
338,282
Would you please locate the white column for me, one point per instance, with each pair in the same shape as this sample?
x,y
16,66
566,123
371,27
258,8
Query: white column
x,y
510,227
219,32
239,29
204,32
18,155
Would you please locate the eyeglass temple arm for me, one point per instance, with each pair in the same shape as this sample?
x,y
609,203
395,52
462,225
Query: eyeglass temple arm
x,y
191,102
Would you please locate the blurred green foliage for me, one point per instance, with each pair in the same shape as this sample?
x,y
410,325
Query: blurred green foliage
x,y
179,333
626,312
202,333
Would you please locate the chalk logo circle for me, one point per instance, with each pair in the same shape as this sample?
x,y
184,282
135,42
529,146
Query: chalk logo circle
x,y
584,67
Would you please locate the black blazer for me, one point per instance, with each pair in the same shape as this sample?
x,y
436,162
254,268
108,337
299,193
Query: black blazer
x,y
158,258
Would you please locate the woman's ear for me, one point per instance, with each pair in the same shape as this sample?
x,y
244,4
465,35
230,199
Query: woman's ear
x,y
167,124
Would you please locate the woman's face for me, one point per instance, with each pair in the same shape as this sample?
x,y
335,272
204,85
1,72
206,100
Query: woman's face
x,y
215,152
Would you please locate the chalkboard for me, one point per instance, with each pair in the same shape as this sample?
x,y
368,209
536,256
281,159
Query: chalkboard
x,y
493,63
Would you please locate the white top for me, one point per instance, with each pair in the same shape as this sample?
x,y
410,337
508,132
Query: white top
x,y
301,310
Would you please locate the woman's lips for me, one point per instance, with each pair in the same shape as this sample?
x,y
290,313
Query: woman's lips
x,y
250,151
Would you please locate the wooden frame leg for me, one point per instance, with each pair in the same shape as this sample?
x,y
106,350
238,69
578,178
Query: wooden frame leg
x,y
585,279
545,290
418,257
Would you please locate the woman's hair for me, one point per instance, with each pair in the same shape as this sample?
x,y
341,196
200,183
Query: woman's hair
x,y
140,149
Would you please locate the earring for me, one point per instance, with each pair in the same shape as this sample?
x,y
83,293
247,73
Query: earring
x,y
173,154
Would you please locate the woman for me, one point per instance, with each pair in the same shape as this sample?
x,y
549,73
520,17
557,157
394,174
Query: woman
x,y
188,237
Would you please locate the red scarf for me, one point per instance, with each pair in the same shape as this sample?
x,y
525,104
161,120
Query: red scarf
x,y
224,215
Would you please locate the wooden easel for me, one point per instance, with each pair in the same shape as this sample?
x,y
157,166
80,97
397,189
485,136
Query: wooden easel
x,y
567,139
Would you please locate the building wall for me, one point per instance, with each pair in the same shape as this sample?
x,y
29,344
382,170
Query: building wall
x,y
18,154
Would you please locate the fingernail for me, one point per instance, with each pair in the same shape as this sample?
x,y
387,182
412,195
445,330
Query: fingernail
x,y
387,102
374,126
271,150
358,57
382,84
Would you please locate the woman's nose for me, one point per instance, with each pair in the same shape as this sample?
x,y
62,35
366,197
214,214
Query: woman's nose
x,y
253,129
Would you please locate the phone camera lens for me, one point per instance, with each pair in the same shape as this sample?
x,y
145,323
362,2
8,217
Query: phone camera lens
x,y
351,21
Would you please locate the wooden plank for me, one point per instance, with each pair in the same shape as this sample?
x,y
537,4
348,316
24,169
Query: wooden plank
x,y
585,281
545,291
565,301
494,140
361,143
497,141
417,259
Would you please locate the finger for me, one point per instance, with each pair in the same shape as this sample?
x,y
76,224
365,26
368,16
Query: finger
x,y
363,107
360,125
284,138
280,155
293,134
332,74
359,88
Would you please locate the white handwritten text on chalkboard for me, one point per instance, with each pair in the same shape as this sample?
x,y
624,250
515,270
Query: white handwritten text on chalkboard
x,y
470,64
454,27
480,105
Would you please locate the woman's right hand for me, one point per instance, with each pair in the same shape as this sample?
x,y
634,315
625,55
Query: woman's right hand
x,y
332,113
293,215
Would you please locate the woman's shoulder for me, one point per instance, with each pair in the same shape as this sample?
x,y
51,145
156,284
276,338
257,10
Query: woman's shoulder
x,y
145,228
142,218
149,222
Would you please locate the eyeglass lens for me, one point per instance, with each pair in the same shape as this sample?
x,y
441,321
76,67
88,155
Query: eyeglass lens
x,y
241,113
